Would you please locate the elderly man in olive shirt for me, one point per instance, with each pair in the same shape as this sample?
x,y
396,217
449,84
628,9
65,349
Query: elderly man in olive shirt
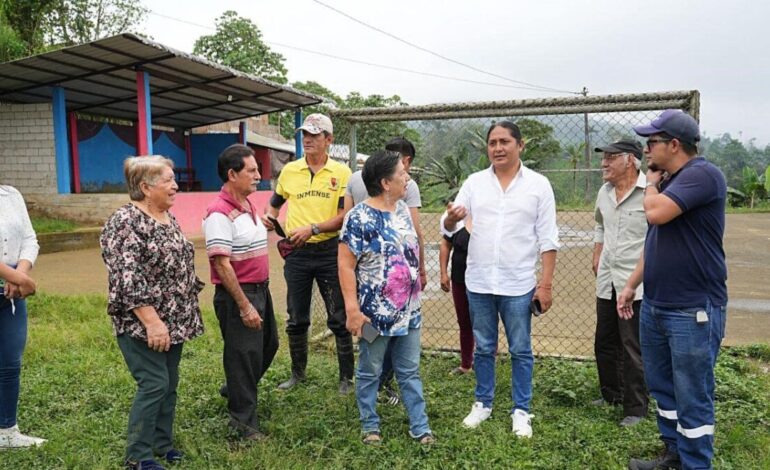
x,y
619,240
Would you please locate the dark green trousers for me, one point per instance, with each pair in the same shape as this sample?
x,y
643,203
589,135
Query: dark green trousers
x,y
151,420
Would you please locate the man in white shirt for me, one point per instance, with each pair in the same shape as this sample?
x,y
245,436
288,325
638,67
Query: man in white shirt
x,y
514,220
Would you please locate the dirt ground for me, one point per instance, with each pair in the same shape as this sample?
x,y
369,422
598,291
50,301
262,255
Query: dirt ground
x,y
567,329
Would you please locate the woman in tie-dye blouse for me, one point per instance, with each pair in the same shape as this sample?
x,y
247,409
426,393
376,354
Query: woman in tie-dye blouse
x,y
379,273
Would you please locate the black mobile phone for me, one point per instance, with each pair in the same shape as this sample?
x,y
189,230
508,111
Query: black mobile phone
x,y
277,226
535,308
369,333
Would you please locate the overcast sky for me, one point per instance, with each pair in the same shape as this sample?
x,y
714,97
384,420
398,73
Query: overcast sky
x,y
721,48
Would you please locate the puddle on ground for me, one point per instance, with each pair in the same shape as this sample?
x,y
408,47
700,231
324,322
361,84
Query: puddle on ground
x,y
752,305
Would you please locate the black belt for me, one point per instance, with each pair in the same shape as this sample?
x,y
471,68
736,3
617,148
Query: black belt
x,y
246,285
255,284
321,246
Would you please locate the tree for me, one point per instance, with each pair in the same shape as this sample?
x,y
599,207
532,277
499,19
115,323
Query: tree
x,y
22,27
767,180
72,22
541,145
372,136
11,47
238,43
441,179
729,155
753,185
320,90
285,120
575,153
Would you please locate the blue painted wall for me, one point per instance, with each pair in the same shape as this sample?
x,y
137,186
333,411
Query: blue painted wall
x,y
164,146
101,162
101,159
205,150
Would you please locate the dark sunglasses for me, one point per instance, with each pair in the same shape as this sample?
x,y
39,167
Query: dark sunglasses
x,y
652,142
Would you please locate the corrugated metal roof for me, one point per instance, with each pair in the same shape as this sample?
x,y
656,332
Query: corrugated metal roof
x,y
264,141
186,91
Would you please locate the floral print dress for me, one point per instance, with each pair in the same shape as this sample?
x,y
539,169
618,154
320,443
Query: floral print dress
x,y
149,263
386,248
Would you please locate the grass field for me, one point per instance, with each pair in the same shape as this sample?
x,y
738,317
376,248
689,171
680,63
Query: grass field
x,y
50,225
76,392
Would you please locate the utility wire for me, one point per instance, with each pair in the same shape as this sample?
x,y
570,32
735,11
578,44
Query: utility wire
x,y
436,54
390,67
362,62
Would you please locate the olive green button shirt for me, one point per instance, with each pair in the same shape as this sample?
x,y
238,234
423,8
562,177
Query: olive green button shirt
x,y
621,226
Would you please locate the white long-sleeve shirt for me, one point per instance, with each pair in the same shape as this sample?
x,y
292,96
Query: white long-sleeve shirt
x,y
17,238
510,229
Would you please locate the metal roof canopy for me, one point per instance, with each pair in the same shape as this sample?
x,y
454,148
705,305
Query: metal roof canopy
x,y
186,91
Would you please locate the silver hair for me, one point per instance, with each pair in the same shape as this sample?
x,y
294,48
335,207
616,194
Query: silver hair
x,y
138,170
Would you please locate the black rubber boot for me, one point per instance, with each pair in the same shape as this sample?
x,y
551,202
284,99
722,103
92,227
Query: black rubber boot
x,y
298,353
666,460
345,360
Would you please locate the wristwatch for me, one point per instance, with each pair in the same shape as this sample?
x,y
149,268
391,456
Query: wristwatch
x,y
315,229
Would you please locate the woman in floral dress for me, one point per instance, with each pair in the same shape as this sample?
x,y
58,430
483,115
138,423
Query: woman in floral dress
x,y
153,304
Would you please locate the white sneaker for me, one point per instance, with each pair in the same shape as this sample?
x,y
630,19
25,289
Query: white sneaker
x,y
11,438
521,423
477,415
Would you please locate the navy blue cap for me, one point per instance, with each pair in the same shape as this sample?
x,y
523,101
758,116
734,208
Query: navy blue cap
x,y
675,123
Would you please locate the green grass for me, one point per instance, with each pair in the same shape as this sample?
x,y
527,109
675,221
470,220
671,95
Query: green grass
x,y
761,208
76,392
50,225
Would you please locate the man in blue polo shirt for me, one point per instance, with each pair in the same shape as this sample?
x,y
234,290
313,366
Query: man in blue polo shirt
x,y
685,295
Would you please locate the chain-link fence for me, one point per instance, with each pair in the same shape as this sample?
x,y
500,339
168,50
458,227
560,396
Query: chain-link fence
x,y
560,136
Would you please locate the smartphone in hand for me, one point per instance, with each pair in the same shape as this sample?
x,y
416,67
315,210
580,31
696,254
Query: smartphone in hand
x,y
277,226
535,308
369,333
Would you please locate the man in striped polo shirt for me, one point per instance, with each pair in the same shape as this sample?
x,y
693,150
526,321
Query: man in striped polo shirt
x,y
236,244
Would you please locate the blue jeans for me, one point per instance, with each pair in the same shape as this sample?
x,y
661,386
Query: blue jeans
x,y
406,364
514,311
13,337
387,366
679,355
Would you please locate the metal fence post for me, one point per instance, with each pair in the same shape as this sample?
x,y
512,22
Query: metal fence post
x,y
353,148
298,135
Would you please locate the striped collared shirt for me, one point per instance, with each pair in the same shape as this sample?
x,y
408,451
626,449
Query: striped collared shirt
x,y
235,231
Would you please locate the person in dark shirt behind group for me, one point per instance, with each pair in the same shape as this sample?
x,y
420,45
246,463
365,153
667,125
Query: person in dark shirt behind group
x,y
456,245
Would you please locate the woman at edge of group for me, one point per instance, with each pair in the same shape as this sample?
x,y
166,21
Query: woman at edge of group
x,y
379,275
18,252
153,304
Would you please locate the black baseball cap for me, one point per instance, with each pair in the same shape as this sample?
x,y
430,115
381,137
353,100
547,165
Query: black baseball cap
x,y
675,123
623,146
